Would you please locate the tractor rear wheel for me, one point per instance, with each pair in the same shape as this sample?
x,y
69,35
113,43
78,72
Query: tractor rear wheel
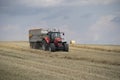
x,y
44,45
31,45
35,45
66,47
52,47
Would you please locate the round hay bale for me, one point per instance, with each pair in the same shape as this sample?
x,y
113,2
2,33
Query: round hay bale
x,y
72,42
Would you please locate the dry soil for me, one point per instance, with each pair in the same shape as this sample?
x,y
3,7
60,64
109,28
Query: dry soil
x,y
82,62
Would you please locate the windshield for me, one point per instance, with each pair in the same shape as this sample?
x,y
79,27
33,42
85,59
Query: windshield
x,y
55,35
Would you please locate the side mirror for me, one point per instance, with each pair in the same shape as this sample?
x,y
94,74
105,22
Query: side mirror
x,y
63,34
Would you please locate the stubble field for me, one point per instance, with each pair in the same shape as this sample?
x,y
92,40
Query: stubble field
x,y
82,62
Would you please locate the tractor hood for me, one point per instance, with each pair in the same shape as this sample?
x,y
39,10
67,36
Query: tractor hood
x,y
58,40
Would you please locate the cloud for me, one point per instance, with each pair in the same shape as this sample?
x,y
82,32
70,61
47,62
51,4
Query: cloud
x,y
116,19
30,3
53,3
11,32
40,3
96,2
104,30
85,21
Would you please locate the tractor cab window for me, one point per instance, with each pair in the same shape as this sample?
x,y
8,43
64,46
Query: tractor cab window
x,y
57,34
54,35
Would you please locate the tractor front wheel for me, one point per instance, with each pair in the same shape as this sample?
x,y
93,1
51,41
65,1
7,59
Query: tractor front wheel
x,y
66,47
44,45
52,47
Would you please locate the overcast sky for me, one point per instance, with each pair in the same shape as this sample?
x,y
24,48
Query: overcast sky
x,y
85,21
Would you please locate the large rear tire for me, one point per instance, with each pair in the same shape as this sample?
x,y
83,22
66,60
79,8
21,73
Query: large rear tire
x,y
66,47
52,47
35,45
44,45
31,45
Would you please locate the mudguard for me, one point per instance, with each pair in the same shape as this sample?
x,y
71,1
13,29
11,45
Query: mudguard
x,y
47,40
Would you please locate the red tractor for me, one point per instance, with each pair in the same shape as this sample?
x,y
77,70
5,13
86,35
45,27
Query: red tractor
x,y
47,40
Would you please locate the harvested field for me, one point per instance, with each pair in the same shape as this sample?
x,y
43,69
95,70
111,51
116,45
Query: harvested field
x,y
82,62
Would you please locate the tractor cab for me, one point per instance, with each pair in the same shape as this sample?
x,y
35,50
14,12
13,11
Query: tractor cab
x,y
54,35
